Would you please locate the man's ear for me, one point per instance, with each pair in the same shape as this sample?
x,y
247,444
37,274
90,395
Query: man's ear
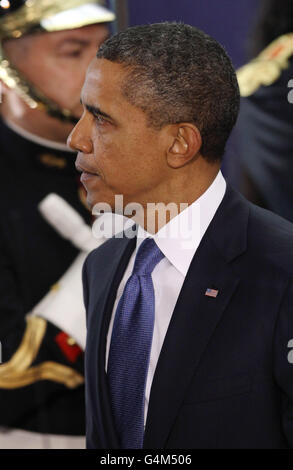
x,y
185,146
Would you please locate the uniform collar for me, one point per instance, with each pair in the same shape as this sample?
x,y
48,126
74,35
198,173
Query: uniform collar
x,y
36,139
25,151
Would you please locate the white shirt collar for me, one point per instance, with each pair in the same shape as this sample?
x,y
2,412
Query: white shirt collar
x,y
179,239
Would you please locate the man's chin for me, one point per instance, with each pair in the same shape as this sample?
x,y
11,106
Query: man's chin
x,y
91,201
99,203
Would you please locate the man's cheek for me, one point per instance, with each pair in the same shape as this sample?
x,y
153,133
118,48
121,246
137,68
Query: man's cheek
x,y
110,155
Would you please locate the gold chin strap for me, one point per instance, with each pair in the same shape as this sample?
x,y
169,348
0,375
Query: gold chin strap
x,y
34,98
18,372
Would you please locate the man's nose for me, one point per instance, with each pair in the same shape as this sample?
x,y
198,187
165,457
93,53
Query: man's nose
x,y
79,140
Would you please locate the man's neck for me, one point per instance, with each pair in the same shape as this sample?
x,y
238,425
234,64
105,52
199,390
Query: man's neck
x,y
153,216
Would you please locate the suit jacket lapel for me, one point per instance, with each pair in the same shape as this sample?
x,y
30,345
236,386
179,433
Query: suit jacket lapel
x,y
109,280
196,316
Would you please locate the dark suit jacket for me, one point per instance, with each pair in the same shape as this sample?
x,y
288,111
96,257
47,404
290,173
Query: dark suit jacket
x,y
223,379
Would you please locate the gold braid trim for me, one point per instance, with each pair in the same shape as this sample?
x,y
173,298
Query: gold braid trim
x,y
28,349
45,371
267,67
17,372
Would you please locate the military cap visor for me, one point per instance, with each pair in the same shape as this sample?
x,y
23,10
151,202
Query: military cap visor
x,y
18,17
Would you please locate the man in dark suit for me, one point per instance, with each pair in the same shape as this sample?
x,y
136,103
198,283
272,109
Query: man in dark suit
x,y
189,321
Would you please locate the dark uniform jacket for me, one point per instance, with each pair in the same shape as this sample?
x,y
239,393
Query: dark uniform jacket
x,y
265,130
32,258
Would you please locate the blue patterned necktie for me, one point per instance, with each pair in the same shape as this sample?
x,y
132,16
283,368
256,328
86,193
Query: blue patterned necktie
x,y
131,345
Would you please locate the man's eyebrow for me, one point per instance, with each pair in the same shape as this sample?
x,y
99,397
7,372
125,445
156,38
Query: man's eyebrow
x,y
96,111
73,41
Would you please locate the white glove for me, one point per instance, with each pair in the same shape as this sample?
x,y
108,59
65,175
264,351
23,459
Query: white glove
x,y
63,304
68,223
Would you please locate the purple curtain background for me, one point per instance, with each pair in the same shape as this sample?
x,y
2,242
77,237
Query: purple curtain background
x,y
228,21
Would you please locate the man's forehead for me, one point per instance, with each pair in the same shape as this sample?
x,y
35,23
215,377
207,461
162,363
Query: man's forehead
x,y
100,86
92,32
104,67
85,30
104,75
103,89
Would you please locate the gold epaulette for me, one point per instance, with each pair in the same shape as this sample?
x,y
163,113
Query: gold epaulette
x,y
267,67
18,372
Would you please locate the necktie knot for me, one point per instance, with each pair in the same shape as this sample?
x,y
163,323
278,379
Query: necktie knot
x,y
147,257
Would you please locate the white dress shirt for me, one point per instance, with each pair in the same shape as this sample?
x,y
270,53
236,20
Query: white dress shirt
x,y
178,240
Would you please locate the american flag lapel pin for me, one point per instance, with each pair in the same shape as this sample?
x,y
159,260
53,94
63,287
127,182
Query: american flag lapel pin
x,y
211,292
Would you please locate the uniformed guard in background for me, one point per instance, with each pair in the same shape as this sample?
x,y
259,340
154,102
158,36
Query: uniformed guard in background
x,y
46,46
265,124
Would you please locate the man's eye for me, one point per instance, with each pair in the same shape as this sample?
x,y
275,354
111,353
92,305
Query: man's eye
x,y
100,119
73,53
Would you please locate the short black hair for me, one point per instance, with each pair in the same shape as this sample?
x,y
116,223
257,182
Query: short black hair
x,y
177,73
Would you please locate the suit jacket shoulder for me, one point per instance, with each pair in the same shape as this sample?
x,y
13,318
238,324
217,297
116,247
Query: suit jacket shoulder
x,y
270,238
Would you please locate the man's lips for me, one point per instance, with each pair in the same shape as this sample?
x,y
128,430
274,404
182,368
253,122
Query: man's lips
x,y
86,173
84,169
